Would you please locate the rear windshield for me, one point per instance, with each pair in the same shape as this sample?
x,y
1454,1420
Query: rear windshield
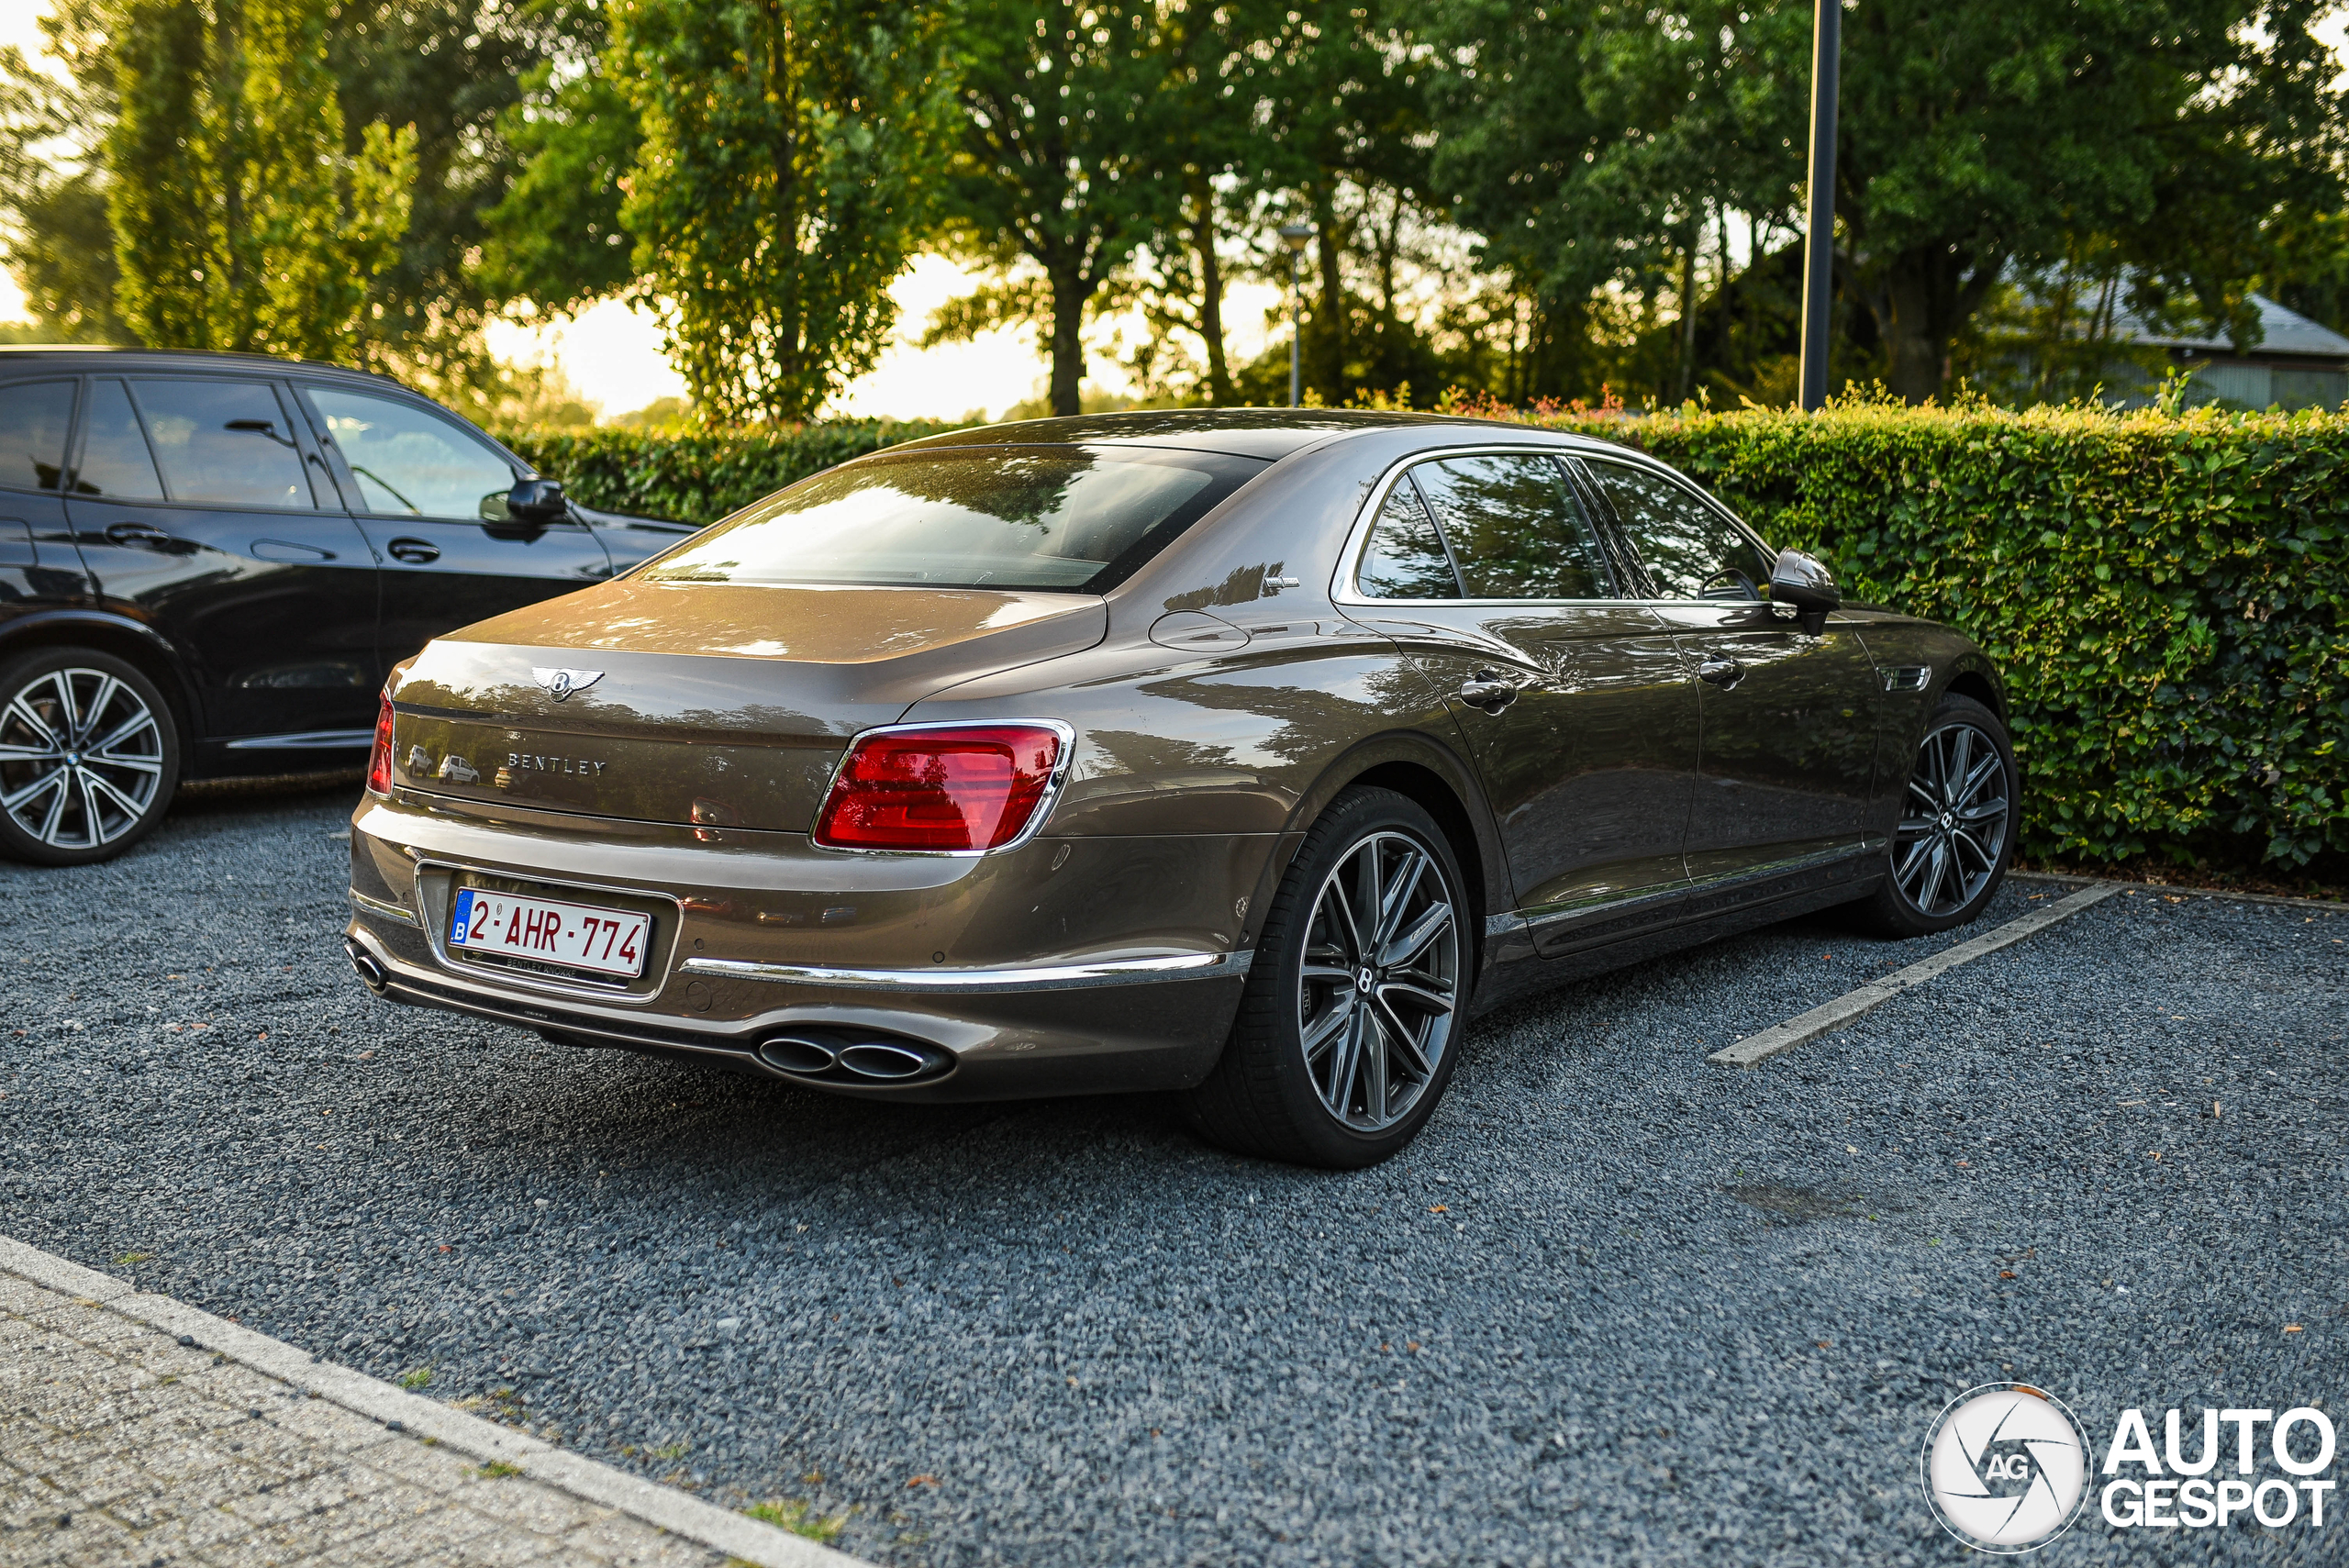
x,y
1071,519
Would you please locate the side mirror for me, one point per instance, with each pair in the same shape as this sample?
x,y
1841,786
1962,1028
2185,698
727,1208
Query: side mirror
x,y
538,502
1804,582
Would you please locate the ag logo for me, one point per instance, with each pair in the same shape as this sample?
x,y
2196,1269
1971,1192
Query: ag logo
x,y
2005,1467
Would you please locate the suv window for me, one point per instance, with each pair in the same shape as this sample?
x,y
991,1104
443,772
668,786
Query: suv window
x,y
33,416
1691,550
1514,526
410,464
1404,558
115,459
227,442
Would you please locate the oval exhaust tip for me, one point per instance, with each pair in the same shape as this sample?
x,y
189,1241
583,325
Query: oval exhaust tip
x,y
790,1053
872,1059
362,963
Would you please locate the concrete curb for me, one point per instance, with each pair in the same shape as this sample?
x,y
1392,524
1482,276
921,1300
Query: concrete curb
x,y
2330,906
665,1507
1756,1049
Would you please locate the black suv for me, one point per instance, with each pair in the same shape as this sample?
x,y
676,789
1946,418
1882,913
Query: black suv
x,y
209,563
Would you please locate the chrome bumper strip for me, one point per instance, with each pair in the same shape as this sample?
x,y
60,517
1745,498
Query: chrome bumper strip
x,y
950,981
394,912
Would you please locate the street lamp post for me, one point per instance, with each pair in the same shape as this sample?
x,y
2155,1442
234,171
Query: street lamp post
x,y
1294,235
1819,232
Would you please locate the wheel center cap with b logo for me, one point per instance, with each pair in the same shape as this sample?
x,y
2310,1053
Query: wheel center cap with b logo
x,y
1362,980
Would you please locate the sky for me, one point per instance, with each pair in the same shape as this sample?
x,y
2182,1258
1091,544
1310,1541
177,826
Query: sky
x,y
612,354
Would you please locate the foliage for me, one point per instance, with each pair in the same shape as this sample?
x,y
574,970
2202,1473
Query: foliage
x,y
239,221
781,186
2167,598
699,476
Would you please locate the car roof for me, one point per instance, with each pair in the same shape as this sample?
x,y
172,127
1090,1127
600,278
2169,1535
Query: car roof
x,y
94,356
1267,433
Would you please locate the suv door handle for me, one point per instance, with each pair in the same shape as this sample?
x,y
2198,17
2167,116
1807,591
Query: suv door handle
x,y
145,534
414,551
1489,691
1721,672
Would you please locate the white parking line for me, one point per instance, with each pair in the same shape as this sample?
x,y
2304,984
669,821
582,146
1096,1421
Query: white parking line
x,y
706,1523
1758,1048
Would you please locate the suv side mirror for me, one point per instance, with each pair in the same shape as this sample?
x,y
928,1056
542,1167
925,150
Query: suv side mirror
x,y
537,502
1804,582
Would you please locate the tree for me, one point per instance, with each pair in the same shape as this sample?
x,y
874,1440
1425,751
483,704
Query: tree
x,y
781,186
1061,164
52,130
238,220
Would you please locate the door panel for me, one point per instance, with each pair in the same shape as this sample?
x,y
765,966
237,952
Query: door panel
x,y
191,502
431,495
1787,720
1579,715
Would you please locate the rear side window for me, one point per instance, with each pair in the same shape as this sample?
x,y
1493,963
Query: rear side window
x,y
1404,558
411,463
1690,549
33,418
224,442
1515,527
1069,518
115,460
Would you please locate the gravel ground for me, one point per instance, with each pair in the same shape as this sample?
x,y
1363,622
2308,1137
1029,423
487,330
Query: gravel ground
x,y
1616,1306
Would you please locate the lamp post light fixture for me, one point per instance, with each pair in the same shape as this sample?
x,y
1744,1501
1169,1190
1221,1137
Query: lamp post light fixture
x,y
1293,235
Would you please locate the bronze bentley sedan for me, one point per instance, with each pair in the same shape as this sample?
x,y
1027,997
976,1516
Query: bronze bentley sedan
x,y
1242,754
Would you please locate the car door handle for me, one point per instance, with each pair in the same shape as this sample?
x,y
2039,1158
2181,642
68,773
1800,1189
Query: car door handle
x,y
146,535
1722,673
1487,691
414,551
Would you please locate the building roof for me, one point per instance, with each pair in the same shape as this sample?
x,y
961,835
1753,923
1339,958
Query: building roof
x,y
2282,332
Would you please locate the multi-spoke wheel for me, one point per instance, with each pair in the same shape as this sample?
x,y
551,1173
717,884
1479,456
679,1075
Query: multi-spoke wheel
x,y
1345,1035
1957,824
88,756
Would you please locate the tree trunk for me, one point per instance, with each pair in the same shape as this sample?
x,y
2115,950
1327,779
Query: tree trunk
x,y
1069,295
1219,391
1329,375
1924,296
1686,367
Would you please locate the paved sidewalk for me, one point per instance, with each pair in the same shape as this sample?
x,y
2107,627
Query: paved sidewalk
x,y
119,1445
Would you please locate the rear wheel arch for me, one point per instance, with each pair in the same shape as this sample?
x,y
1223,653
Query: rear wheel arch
x,y
134,643
1422,771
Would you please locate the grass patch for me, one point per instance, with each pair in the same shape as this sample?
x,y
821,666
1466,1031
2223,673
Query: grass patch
x,y
799,1519
127,1259
497,1470
416,1377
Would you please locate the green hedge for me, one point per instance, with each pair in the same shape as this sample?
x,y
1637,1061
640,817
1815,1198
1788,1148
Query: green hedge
x,y
699,476
2166,596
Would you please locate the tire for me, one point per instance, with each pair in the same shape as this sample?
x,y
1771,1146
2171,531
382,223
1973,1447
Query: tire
x,y
89,756
1334,1062
1955,836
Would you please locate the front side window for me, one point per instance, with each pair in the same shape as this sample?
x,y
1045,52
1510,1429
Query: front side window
x,y
412,463
34,416
116,462
1515,527
1045,517
225,442
1691,550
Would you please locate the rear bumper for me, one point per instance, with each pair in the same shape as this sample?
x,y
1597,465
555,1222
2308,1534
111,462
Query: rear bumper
x,y
758,938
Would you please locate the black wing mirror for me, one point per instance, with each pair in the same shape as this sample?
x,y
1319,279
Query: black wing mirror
x,y
1804,582
537,501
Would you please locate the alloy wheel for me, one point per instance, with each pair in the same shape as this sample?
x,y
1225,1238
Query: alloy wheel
x,y
80,758
1379,987
1954,820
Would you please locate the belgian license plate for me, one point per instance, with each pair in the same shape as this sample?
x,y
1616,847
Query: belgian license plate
x,y
576,936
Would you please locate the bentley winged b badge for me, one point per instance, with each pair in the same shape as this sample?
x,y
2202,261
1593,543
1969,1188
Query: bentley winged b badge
x,y
560,683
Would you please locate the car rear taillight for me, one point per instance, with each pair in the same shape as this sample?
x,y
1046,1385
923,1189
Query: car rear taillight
x,y
379,762
957,786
